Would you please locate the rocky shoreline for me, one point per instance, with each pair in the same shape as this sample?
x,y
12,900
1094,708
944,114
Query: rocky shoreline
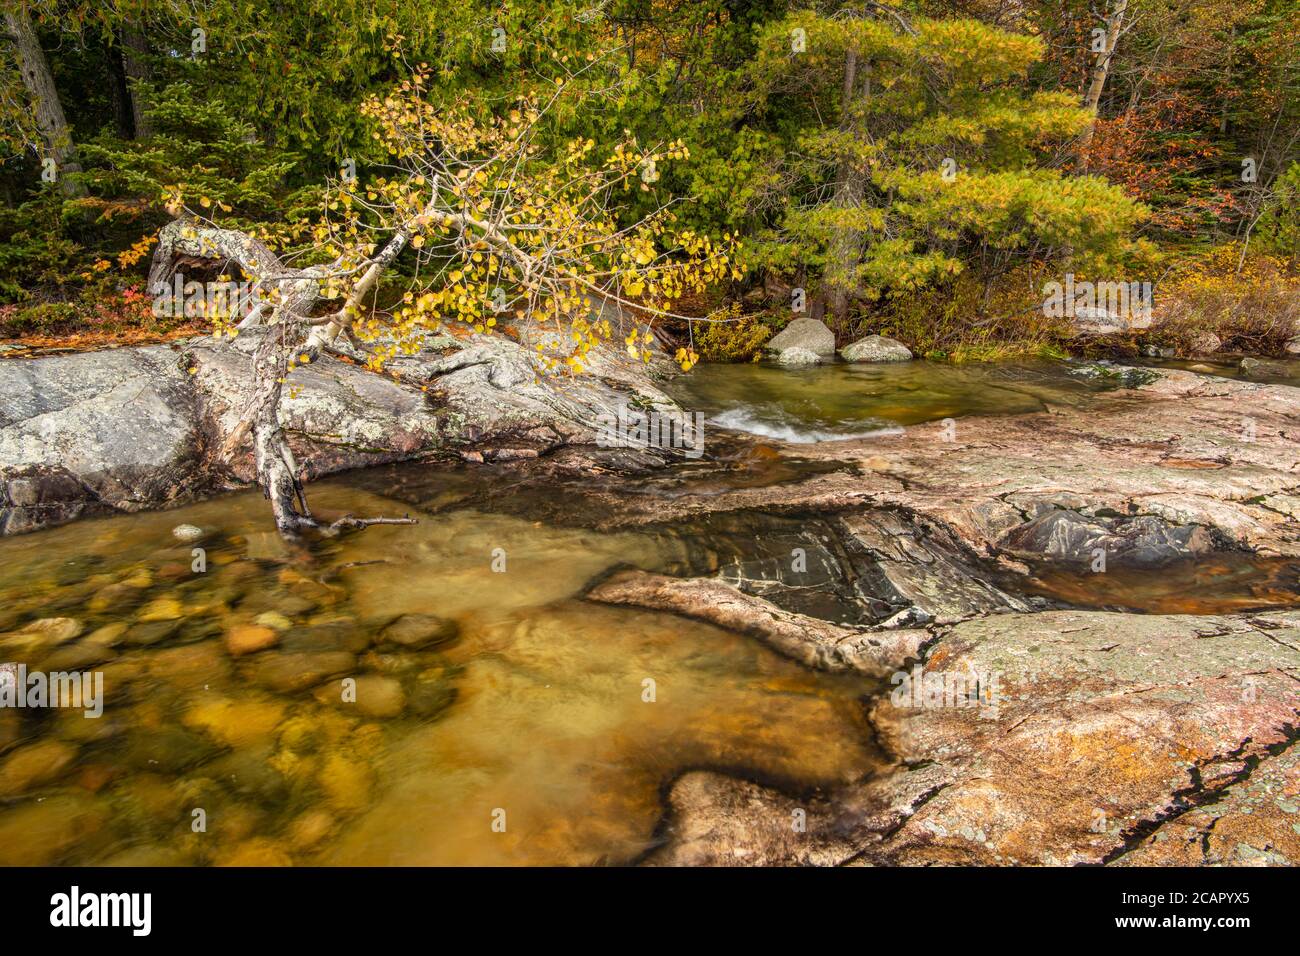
x,y
134,428
1101,737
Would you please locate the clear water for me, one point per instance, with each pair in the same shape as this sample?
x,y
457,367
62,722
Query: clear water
x,y
1273,371
1210,584
535,714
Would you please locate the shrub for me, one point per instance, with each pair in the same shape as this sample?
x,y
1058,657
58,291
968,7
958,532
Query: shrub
x,y
740,340
40,319
1256,309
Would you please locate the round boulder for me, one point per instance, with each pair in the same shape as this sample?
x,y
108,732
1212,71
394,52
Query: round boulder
x,y
810,334
876,348
418,630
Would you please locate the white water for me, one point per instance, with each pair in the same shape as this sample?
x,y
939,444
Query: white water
x,y
769,421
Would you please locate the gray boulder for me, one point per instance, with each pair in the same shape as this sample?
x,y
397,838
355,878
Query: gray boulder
x,y
337,415
876,348
1087,320
94,432
809,334
133,428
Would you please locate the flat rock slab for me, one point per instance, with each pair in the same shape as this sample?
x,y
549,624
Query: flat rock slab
x,y
93,432
1182,465
1104,736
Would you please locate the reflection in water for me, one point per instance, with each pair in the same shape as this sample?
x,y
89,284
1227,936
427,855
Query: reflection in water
x,y
1208,584
1276,371
846,400
477,691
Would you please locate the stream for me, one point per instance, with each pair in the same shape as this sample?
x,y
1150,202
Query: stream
x,y
440,694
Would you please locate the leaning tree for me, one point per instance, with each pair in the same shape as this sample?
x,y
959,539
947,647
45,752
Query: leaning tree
x,y
479,222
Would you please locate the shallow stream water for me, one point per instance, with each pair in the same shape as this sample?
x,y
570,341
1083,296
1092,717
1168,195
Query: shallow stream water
x,y
530,727
843,400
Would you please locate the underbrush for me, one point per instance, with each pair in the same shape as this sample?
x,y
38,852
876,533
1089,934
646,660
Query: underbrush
x,y
102,312
964,322
740,339
1203,304
1253,310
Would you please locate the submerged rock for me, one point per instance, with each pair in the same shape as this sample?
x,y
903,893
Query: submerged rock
x,y
152,632
288,673
256,852
1118,376
39,833
55,630
34,765
418,630
235,723
798,356
373,695
309,829
876,348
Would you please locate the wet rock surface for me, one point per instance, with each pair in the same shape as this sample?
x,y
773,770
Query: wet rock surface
x,y
1012,729
141,427
91,433
807,640
1046,736
1184,464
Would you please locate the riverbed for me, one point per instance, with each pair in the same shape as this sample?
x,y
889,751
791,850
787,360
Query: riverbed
x,y
441,693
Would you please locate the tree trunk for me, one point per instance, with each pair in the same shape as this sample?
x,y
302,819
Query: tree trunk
x,y
135,52
39,81
121,97
845,250
296,292
277,471
1100,72
287,333
1227,81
